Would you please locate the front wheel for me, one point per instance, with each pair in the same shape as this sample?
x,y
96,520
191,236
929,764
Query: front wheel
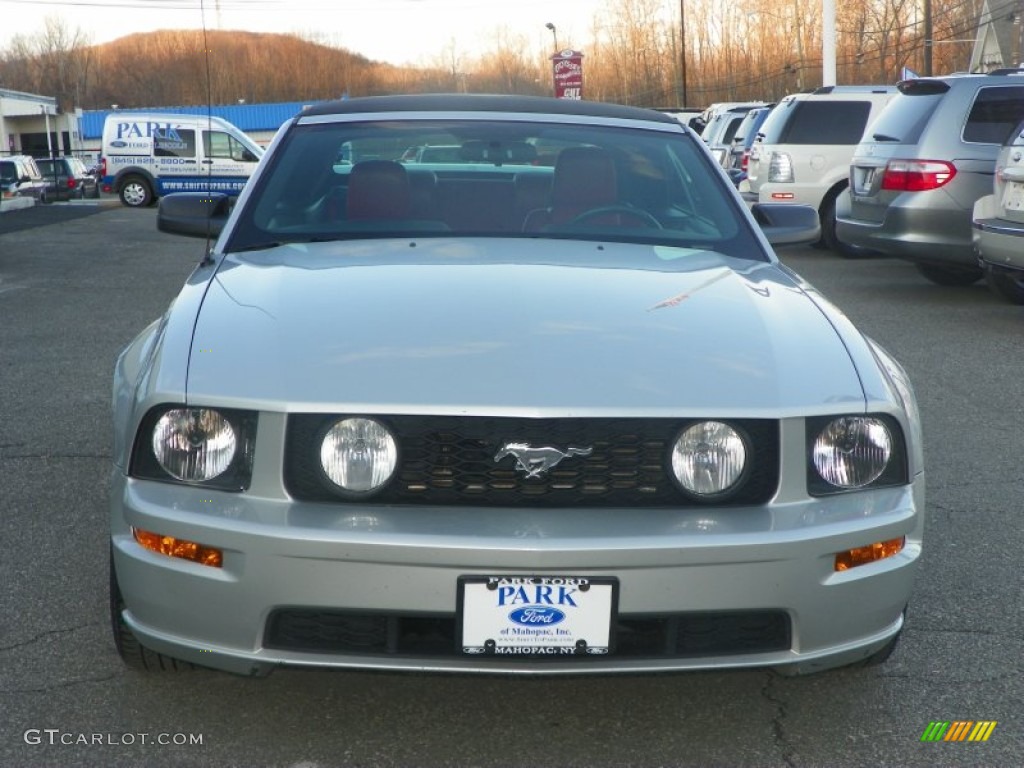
x,y
950,276
132,652
135,192
1006,285
880,656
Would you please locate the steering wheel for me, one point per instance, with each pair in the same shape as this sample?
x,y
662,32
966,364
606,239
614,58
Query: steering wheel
x,y
637,214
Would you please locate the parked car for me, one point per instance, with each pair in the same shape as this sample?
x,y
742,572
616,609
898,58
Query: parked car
x,y
915,177
691,118
20,177
999,222
449,153
803,149
723,122
67,178
738,157
435,425
148,154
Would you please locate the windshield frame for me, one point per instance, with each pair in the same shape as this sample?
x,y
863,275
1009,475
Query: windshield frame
x,y
668,157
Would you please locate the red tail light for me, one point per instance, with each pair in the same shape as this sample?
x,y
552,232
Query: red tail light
x,y
745,160
71,183
103,166
917,175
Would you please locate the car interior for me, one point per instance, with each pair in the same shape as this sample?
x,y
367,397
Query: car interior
x,y
566,181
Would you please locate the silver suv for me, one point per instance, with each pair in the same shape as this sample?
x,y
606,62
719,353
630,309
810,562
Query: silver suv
x,y
999,223
802,152
916,175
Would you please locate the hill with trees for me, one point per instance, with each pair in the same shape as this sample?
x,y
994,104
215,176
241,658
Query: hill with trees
x,y
749,49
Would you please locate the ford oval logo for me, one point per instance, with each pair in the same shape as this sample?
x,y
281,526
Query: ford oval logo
x,y
119,143
536,616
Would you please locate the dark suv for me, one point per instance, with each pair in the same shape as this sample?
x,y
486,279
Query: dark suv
x,y
920,167
739,150
67,178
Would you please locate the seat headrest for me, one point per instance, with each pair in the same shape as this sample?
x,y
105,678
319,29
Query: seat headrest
x,y
378,189
584,179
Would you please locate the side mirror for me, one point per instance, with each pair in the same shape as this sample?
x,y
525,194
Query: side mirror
x,y
248,156
787,223
194,214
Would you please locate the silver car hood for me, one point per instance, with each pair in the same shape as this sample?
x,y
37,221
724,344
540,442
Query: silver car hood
x,y
461,328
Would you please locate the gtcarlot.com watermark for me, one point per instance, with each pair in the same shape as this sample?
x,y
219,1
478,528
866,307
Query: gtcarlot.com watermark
x,y
56,736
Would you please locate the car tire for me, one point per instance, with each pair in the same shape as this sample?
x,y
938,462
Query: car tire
x,y
133,653
829,239
880,656
1006,285
950,276
135,192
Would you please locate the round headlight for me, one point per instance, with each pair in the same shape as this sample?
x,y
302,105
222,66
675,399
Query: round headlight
x,y
709,458
358,455
194,444
852,451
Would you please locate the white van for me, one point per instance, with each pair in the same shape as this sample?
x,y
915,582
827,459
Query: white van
x,y
146,155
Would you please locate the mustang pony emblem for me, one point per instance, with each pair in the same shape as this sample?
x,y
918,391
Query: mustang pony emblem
x,y
535,461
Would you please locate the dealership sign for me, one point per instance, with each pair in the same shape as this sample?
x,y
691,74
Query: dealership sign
x,y
567,70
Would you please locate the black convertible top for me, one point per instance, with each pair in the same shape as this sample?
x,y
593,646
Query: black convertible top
x,y
460,102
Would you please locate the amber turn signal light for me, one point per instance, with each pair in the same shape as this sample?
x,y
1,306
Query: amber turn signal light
x,y
186,550
880,550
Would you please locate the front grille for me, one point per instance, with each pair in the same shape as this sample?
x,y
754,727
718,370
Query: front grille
x,y
450,461
678,635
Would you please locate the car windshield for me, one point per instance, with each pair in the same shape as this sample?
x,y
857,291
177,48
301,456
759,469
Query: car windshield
x,y
343,179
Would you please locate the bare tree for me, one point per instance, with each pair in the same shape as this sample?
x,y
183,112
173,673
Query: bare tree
x,y
740,50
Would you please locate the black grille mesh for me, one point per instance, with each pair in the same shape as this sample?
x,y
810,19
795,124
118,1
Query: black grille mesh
x,y
679,635
450,461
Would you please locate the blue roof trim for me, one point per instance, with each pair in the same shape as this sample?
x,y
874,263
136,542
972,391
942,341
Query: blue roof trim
x,y
246,117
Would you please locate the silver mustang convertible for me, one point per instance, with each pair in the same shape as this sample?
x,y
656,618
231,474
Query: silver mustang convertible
x,y
543,402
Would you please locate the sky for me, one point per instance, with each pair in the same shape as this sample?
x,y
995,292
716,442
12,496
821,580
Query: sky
x,y
395,31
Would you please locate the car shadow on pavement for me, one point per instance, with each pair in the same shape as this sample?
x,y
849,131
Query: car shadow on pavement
x,y
15,220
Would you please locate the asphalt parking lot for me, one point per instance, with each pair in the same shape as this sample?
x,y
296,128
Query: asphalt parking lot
x,y
77,282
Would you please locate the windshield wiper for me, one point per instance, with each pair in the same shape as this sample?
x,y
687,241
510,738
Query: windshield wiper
x,y
883,137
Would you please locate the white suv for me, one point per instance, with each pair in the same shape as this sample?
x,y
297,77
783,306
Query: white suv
x,y
802,152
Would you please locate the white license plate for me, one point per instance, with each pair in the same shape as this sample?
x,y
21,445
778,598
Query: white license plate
x,y
540,616
1013,196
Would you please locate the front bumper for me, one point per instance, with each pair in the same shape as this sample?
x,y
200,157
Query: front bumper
x,y
391,561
